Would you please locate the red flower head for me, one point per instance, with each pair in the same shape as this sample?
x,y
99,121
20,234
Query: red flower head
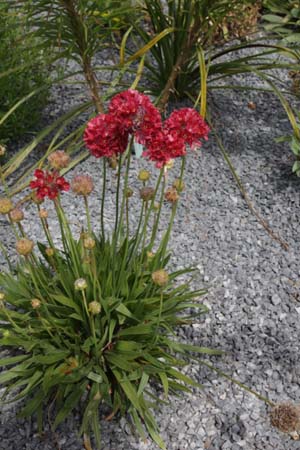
x,y
104,136
189,126
135,112
48,184
165,146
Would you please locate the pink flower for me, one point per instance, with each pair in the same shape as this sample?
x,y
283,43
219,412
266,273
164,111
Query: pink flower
x,y
105,136
164,146
48,184
135,112
189,126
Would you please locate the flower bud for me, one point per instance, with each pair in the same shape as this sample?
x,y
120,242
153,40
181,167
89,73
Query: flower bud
x,y
35,199
286,417
59,160
113,162
160,277
2,150
171,195
179,185
6,333
24,246
89,243
156,206
6,205
80,284
2,296
82,185
35,303
144,175
128,192
94,308
16,215
49,251
170,164
43,214
150,255
147,193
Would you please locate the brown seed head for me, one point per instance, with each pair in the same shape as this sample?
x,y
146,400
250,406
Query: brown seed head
x,y
2,150
49,251
171,195
144,175
94,308
160,277
147,193
35,303
82,185
6,205
286,417
43,214
59,160
24,246
16,215
89,243
178,185
128,192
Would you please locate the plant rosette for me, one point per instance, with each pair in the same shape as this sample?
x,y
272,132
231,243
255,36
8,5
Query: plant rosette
x,y
93,323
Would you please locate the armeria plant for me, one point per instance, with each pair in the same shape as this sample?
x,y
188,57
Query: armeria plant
x,y
93,323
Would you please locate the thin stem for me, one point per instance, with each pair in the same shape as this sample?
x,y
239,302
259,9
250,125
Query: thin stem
x,y
88,216
103,198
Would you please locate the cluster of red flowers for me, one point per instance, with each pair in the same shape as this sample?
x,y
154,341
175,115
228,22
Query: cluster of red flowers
x,y
132,113
48,184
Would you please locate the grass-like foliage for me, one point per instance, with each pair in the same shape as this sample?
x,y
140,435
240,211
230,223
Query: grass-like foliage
x,y
23,70
94,322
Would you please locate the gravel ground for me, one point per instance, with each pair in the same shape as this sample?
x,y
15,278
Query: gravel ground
x,y
253,291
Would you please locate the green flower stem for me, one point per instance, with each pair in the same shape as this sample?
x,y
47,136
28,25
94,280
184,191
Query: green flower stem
x,y
128,156
103,198
139,235
117,199
46,229
88,216
33,277
14,228
156,223
90,318
233,380
156,334
166,238
67,235
127,218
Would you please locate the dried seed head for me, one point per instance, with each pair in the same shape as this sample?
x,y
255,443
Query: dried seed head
x,y
147,193
59,160
24,246
89,243
128,192
2,150
43,214
251,105
171,195
94,308
286,417
16,215
6,205
144,175
178,185
49,251
35,303
80,284
113,162
82,185
160,277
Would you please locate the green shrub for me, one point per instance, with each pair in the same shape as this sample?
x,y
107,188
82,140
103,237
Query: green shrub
x,y
22,71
